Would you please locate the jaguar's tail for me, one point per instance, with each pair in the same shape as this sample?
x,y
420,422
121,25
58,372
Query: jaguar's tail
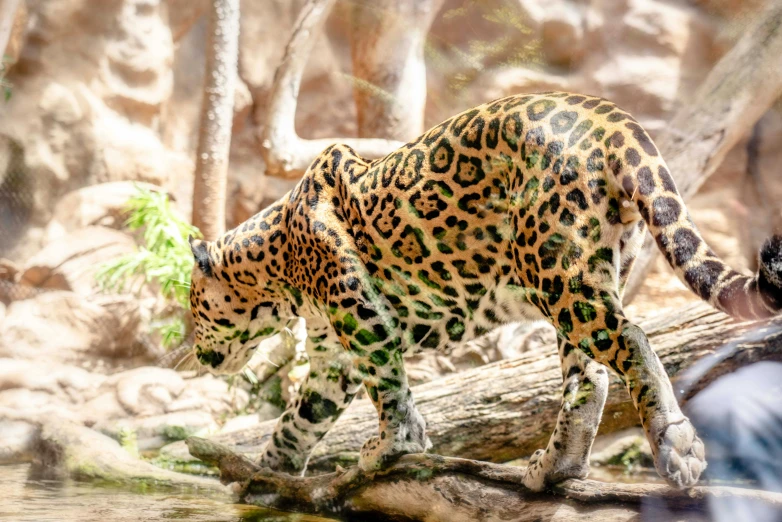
x,y
661,206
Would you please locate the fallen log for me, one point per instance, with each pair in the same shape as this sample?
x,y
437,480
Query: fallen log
x,y
64,449
740,88
432,487
507,410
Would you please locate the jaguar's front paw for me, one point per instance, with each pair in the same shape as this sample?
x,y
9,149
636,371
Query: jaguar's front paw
x,y
377,454
679,457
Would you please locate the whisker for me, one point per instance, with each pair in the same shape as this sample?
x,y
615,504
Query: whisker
x,y
187,357
172,355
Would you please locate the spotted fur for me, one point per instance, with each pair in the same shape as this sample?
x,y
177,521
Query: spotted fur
x,y
525,208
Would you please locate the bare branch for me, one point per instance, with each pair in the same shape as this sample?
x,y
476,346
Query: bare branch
x,y
286,154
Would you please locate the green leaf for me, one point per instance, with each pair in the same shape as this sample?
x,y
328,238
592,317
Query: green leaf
x,y
164,258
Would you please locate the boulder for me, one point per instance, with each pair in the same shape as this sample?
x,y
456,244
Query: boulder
x,y
71,261
9,271
74,132
158,430
101,205
16,440
155,405
70,328
159,405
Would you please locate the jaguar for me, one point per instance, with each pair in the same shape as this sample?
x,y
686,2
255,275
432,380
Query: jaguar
x,y
529,207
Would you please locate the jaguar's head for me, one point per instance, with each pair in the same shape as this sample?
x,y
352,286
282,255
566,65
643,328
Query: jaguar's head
x,y
233,310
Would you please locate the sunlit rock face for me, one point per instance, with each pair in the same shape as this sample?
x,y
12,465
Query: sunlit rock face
x,y
89,87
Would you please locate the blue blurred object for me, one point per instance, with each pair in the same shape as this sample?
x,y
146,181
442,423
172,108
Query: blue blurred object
x,y
739,418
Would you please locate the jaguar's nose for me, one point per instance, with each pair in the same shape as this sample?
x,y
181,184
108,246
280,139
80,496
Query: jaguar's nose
x,y
209,357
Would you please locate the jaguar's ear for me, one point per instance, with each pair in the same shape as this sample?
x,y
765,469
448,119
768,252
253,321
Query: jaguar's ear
x,y
201,255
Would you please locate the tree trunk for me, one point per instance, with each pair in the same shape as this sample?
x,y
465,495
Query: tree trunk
x,y
387,43
431,487
740,88
8,9
506,410
214,137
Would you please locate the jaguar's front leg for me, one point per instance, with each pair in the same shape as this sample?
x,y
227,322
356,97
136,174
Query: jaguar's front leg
x,y
584,393
402,428
376,343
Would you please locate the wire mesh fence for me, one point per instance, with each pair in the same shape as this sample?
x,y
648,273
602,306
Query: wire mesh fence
x,y
18,188
16,195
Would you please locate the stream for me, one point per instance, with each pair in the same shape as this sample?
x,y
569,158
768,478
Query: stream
x,y
26,499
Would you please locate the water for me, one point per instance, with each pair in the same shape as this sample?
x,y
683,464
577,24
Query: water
x,y
23,499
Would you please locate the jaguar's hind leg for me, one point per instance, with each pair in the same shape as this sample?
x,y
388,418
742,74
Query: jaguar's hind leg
x,y
584,394
324,395
593,321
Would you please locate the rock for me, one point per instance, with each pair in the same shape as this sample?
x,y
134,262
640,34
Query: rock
x,y
158,430
160,406
562,34
101,205
68,328
136,63
9,271
156,405
146,390
16,440
150,391
73,132
28,404
49,377
71,261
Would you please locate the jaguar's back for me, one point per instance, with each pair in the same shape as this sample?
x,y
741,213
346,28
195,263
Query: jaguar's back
x,y
515,209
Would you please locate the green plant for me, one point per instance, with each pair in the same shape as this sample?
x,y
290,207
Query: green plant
x,y
128,440
164,258
4,85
